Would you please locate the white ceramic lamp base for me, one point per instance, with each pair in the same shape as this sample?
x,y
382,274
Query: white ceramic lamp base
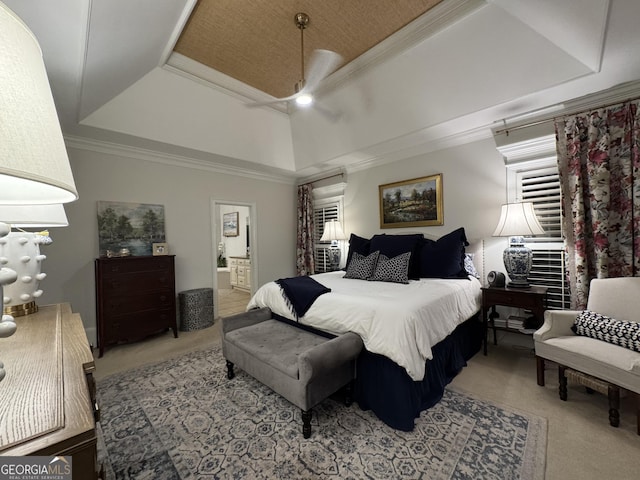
x,y
20,251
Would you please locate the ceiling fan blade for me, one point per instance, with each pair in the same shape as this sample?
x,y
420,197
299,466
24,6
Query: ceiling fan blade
x,y
274,101
322,63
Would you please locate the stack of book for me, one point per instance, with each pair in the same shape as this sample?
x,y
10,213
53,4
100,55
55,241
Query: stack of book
x,y
500,322
516,322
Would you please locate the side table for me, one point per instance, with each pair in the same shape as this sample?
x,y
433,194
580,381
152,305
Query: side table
x,y
533,298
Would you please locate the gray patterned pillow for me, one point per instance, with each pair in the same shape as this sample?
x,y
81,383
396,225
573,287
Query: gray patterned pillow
x,y
394,269
361,267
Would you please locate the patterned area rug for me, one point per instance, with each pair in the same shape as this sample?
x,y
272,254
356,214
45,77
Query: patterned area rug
x,y
182,419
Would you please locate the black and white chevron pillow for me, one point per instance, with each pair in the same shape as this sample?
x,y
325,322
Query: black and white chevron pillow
x,y
361,267
618,332
394,269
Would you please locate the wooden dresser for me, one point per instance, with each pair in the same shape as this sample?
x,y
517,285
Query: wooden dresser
x,y
48,402
135,297
240,268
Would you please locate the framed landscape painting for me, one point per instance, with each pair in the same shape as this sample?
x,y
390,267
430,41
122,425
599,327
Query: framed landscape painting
x,y
412,203
129,226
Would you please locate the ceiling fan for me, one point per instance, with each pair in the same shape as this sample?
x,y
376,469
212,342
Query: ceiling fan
x,y
322,63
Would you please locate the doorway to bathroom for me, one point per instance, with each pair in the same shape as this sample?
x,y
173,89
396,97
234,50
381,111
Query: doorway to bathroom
x,y
234,254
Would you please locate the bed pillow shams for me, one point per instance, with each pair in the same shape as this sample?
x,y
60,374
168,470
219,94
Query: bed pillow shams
x,y
444,258
469,266
394,269
359,245
394,245
361,267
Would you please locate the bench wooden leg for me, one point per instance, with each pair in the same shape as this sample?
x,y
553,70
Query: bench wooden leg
x,y
230,373
348,394
306,423
638,411
562,389
540,370
614,405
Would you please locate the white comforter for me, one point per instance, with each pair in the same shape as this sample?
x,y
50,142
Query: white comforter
x,y
401,322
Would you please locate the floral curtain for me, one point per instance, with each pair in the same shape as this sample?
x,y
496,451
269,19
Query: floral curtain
x,y
599,162
305,264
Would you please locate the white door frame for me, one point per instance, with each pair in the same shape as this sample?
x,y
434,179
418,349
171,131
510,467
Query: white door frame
x,y
253,233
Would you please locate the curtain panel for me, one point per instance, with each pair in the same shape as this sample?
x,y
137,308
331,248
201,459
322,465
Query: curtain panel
x,y
599,162
305,264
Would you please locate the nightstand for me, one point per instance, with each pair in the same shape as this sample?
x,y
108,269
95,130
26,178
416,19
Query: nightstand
x,y
533,298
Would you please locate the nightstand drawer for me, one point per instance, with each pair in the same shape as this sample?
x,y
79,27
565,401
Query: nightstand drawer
x,y
511,299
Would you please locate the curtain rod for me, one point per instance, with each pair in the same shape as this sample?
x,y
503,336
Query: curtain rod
x,y
341,174
575,111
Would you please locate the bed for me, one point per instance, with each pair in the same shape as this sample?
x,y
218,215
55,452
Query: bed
x,y
418,320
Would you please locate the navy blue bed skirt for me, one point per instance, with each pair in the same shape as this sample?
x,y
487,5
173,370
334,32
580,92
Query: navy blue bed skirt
x,y
385,388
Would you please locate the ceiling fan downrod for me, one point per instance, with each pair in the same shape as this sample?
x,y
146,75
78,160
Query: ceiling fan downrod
x,y
301,20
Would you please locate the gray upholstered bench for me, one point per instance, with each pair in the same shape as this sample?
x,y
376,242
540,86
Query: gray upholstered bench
x,y
303,367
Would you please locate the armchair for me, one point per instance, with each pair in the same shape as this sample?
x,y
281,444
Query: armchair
x,y
595,363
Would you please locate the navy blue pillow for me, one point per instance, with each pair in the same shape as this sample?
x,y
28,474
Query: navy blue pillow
x,y
444,258
394,245
359,245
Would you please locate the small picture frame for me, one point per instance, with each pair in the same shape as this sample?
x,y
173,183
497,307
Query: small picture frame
x,y
160,249
230,224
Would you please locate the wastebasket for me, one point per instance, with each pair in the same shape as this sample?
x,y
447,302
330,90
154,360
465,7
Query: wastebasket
x,y
195,309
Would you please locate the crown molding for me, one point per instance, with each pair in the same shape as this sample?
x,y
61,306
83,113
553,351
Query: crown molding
x,y
441,143
137,153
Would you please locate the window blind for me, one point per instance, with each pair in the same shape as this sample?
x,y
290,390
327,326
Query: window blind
x,y
541,186
321,214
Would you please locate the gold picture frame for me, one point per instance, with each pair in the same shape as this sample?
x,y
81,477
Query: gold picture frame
x,y
160,249
412,203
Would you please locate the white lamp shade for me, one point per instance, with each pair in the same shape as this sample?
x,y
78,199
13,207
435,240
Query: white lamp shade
x,y
34,166
35,216
518,220
332,231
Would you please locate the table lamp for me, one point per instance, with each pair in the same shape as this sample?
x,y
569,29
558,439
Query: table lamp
x,y
332,233
516,221
20,251
34,166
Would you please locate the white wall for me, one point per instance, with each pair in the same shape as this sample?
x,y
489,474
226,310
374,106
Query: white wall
x,y
186,195
474,188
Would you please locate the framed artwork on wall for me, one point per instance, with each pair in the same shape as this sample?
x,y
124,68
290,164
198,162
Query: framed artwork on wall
x,y
412,203
230,224
130,227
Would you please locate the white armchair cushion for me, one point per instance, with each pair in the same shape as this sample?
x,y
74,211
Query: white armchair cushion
x,y
619,332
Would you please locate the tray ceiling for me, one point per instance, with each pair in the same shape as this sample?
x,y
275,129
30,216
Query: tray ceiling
x,y
258,43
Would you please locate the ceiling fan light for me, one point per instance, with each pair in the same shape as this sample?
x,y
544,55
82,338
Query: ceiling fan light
x,y
304,99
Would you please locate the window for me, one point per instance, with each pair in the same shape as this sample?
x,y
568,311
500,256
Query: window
x,y
541,186
532,176
327,206
321,214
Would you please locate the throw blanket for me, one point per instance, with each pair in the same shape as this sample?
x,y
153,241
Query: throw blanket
x,y
300,293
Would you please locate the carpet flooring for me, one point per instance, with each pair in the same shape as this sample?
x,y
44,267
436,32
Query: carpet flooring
x,y
182,419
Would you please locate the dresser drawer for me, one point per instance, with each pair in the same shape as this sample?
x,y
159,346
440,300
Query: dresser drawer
x,y
132,327
135,283
115,305
117,266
